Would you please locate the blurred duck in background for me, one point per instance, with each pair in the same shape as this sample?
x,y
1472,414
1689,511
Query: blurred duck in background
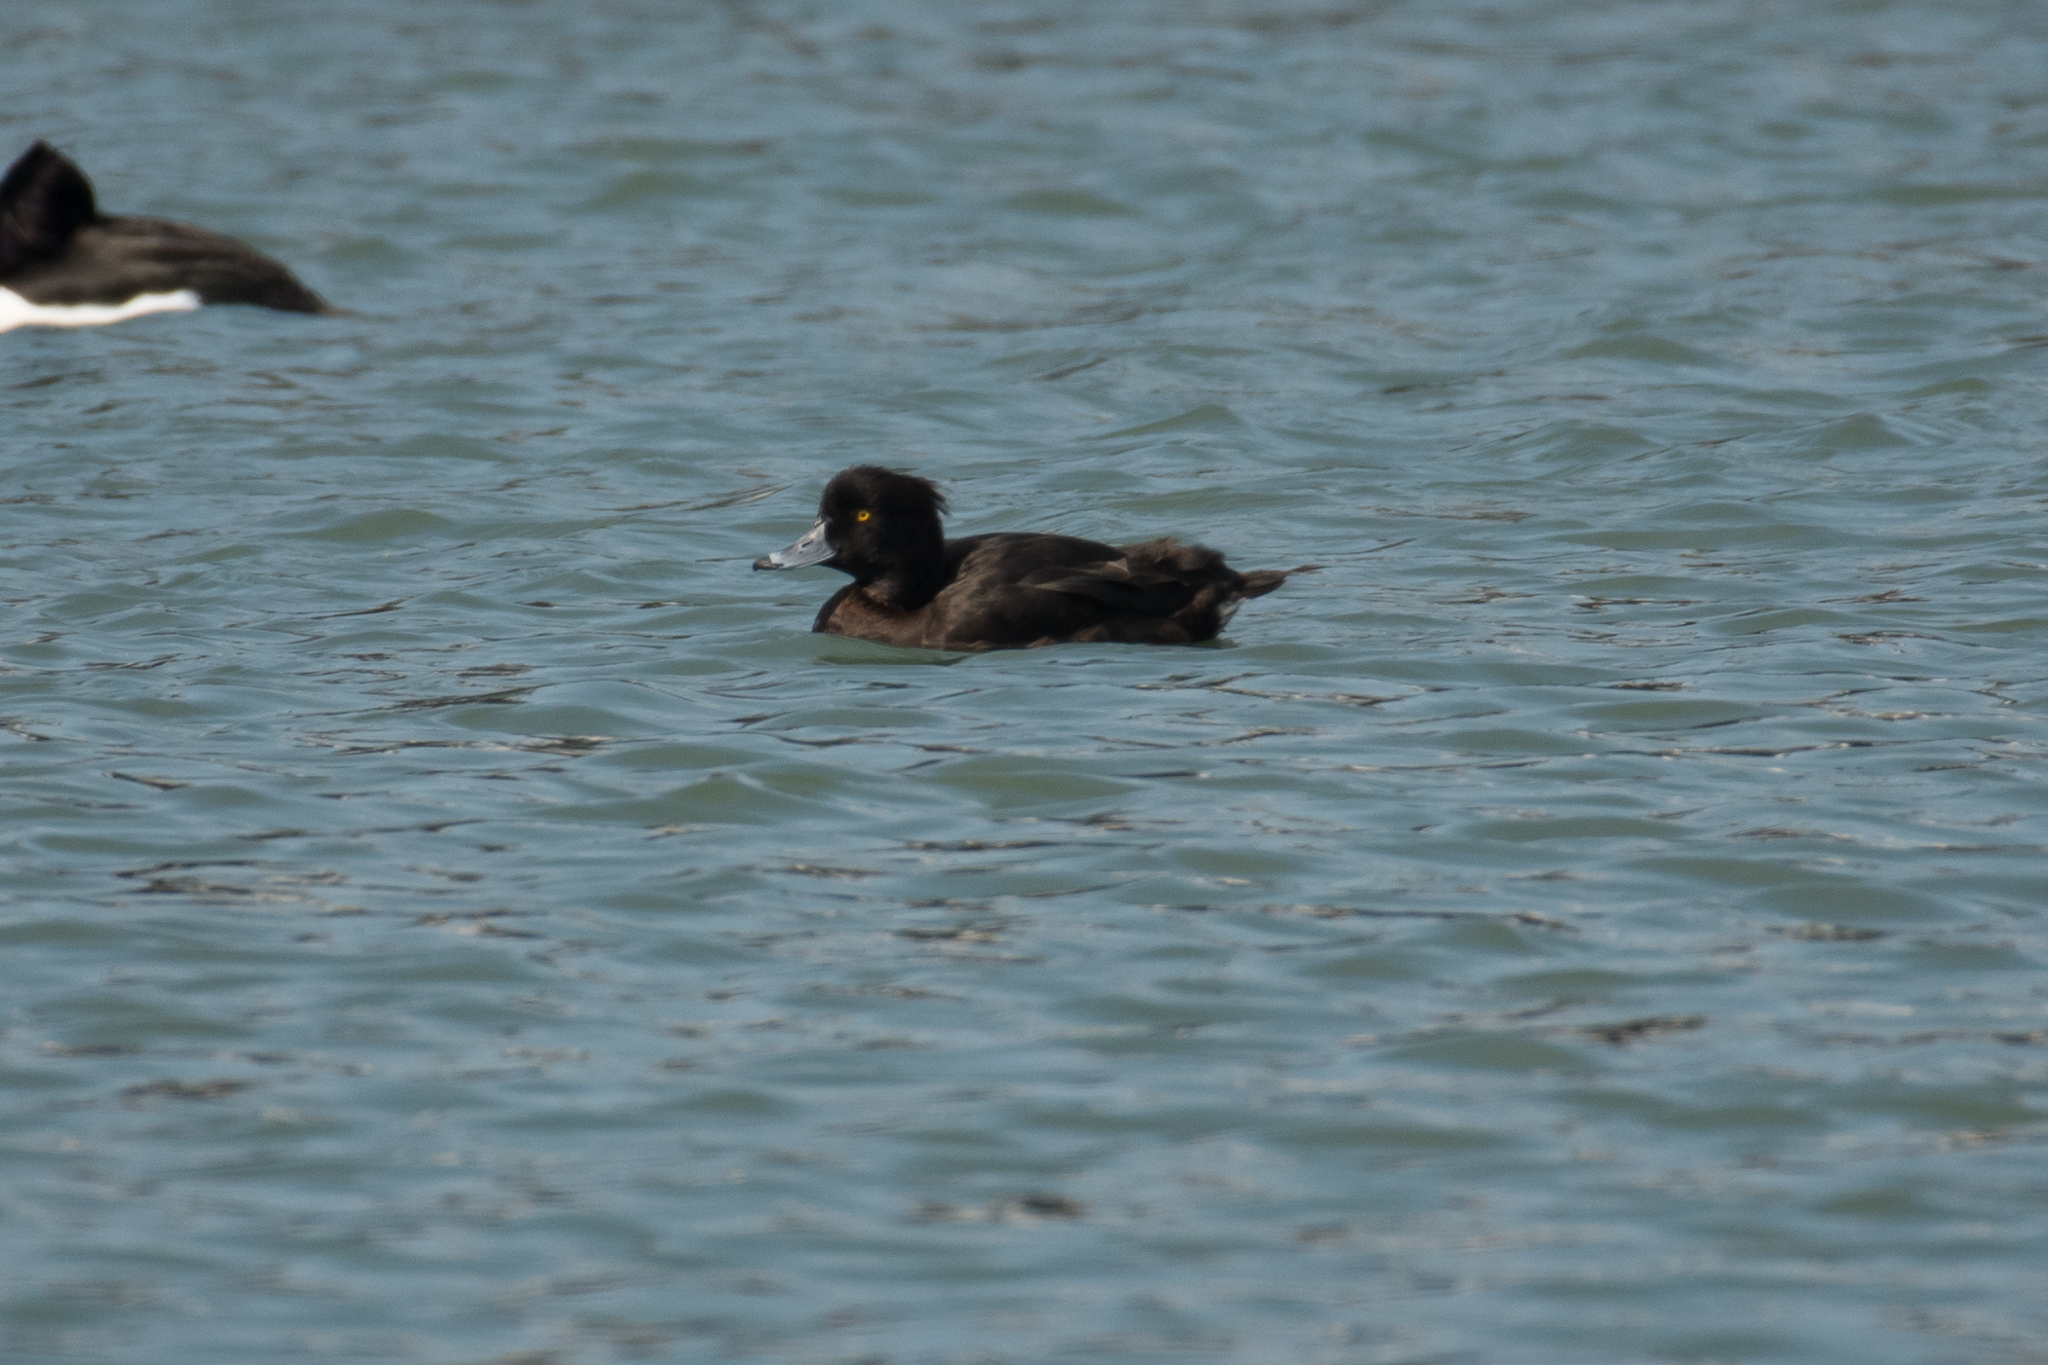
x,y
63,263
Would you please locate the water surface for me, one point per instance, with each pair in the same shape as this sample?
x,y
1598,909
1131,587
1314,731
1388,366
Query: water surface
x,y
455,912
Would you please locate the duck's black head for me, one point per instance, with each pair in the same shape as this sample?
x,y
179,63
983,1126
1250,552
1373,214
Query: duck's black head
x,y
881,527
876,519
44,198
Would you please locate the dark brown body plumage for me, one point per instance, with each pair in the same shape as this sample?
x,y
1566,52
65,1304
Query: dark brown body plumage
x,y
1008,590
57,248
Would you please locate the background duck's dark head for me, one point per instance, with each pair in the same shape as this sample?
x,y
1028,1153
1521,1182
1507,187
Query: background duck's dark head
x,y
881,527
44,198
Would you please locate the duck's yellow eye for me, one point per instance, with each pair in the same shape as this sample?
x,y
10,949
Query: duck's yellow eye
x,y
862,515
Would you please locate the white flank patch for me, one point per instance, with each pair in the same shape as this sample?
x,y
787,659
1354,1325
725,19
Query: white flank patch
x,y
16,311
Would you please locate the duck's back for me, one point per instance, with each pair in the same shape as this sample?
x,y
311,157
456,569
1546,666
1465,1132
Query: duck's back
x,y
116,257
1009,590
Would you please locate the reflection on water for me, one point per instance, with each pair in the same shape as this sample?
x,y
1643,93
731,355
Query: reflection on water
x,y
455,912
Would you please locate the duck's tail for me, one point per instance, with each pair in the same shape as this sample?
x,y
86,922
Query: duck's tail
x,y
1259,582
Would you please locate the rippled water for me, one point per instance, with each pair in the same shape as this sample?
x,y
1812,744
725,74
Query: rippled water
x,y
456,913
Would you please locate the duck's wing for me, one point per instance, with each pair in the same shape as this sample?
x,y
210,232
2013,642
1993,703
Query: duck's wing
x,y
1162,592
1159,577
44,200
1126,589
115,258
996,567
1023,589
122,255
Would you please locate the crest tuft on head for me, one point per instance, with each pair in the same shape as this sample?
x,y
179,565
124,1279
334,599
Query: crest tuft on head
x,y
885,489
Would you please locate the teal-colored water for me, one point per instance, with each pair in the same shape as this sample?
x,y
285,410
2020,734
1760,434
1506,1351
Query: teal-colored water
x,y
456,913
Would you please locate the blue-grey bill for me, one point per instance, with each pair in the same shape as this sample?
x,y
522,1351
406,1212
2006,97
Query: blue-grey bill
x,y
812,549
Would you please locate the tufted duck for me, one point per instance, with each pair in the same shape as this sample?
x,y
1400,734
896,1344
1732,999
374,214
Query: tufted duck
x,y
65,264
1010,590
